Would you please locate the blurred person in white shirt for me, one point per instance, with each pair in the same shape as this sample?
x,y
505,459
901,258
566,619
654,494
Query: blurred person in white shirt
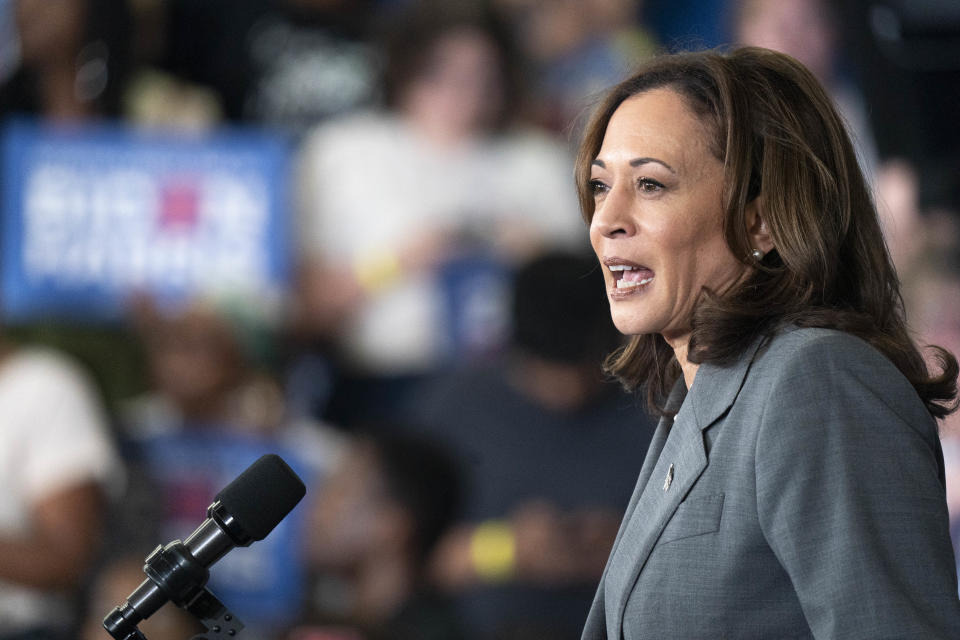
x,y
388,198
57,463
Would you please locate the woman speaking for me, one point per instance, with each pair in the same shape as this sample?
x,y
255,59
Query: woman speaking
x,y
795,485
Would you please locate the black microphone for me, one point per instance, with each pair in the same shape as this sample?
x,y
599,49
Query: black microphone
x,y
246,510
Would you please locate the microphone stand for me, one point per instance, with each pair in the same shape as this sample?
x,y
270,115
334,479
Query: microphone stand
x,y
182,579
178,572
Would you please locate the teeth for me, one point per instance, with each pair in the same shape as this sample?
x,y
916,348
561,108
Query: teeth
x,y
629,285
620,267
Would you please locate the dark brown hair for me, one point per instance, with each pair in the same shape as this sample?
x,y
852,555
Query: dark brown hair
x,y
409,37
780,140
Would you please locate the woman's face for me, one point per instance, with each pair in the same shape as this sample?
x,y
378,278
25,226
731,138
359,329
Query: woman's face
x,y
460,88
657,227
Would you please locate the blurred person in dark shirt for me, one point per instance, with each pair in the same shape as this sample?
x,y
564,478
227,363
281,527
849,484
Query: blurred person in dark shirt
x,y
373,525
549,450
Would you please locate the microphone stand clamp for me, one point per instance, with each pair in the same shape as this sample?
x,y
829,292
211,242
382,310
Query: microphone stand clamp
x,y
182,580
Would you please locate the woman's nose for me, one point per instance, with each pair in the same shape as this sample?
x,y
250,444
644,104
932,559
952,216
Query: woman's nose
x,y
612,216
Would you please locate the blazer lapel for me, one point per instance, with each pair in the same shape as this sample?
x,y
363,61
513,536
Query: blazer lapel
x,y
680,463
667,478
654,449
716,387
598,619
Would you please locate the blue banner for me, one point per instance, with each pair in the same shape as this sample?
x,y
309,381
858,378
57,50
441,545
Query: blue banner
x,y
91,214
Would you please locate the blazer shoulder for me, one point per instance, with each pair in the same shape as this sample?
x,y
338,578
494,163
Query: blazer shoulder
x,y
822,350
829,358
800,340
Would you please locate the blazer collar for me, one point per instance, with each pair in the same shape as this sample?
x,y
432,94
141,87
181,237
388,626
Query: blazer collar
x,y
716,386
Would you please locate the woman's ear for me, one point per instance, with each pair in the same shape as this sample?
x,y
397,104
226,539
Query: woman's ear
x,y
758,233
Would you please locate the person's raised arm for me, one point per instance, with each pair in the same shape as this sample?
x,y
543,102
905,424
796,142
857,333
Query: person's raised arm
x,y
61,541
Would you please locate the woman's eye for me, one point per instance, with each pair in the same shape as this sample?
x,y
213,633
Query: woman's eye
x,y
649,185
597,187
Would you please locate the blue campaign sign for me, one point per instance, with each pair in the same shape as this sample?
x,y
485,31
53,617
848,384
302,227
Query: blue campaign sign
x,y
92,214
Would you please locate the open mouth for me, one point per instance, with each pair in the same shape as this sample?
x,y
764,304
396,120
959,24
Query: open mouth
x,y
628,276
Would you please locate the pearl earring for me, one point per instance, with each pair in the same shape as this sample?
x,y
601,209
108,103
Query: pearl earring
x,y
757,254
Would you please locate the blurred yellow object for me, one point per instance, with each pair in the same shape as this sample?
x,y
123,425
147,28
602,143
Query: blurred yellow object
x,y
158,100
376,271
493,550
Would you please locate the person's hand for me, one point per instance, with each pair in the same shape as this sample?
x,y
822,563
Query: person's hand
x,y
428,249
546,545
451,567
594,533
325,296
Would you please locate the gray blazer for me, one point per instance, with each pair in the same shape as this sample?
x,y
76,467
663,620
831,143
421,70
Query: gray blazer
x,y
798,493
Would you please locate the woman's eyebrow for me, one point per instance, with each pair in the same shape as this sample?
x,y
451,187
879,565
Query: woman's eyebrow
x,y
636,162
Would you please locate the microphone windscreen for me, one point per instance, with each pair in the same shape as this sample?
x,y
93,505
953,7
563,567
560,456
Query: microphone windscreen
x,y
262,496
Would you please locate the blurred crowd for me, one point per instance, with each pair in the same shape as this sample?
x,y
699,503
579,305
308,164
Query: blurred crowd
x,y
433,371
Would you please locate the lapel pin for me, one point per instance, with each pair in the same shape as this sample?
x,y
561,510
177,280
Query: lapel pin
x,y
669,479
